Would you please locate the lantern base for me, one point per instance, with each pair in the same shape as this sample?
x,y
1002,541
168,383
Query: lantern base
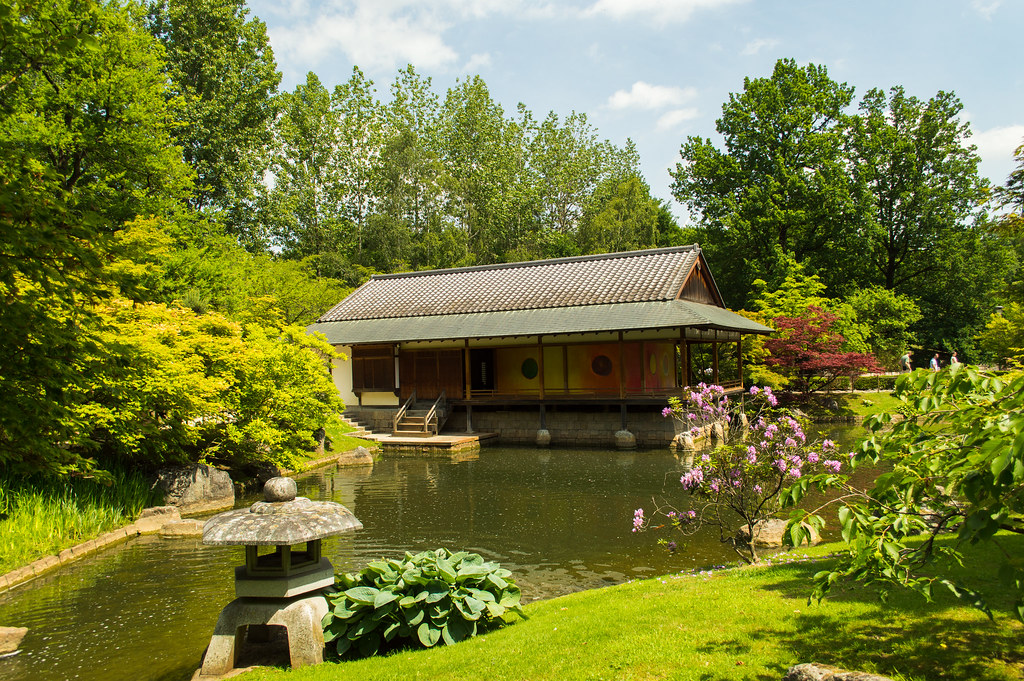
x,y
284,586
300,616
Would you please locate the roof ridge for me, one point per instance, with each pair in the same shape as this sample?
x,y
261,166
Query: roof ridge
x,y
538,263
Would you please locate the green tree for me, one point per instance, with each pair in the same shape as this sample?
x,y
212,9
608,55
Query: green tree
x,y
919,178
223,83
1002,339
83,147
889,318
622,216
957,464
305,209
780,188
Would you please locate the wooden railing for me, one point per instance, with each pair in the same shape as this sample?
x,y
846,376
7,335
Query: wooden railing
x,y
401,412
432,415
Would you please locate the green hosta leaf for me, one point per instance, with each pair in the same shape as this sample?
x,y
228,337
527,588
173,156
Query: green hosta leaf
x,y
363,594
482,595
497,582
407,602
436,590
364,627
495,610
471,571
384,597
456,630
342,645
446,571
414,617
394,629
511,596
428,635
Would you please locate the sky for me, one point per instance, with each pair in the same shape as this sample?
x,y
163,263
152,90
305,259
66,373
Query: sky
x,y
658,71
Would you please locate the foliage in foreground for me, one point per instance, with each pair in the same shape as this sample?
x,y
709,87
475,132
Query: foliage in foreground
x,y
43,517
957,466
726,625
433,597
743,480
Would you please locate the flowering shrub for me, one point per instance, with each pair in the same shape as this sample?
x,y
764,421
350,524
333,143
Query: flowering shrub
x,y
761,464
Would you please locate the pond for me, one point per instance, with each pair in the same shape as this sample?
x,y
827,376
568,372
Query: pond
x,y
559,519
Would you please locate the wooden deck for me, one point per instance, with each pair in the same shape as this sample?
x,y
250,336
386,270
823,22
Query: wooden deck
x,y
447,444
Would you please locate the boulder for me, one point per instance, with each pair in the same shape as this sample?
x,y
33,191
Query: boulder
x,y
360,456
543,438
770,533
822,672
196,489
10,639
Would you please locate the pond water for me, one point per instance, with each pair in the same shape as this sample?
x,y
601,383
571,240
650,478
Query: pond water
x,y
559,519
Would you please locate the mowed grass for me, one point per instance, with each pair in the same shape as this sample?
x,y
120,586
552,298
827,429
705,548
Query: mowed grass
x,y
864,404
743,624
340,442
43,517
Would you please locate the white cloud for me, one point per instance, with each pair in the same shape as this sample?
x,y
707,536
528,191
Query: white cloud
x,y
996,145
985,8
374,39
646,96
672,119
673,11
476,63
755,46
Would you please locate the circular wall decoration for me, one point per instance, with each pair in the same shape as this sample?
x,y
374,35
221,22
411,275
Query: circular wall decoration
x,y
529,367
601,365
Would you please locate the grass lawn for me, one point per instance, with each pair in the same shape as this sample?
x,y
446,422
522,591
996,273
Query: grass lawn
x,y
743,624
340,442
864,404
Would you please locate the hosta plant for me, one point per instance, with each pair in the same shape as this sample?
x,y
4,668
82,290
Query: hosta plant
x,y
433,597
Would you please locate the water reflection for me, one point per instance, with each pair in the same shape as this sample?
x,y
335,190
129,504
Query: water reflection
x,y
559,519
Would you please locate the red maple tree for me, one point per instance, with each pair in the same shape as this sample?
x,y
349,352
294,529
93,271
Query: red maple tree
x,y
810,354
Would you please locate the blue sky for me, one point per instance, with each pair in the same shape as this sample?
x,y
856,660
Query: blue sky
x,y
657,71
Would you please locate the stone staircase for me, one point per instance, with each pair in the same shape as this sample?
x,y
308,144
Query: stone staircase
x,y
360,431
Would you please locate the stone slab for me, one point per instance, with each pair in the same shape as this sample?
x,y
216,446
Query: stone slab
x,y
160,511
45,564
10,638
284,587
182,528
150,525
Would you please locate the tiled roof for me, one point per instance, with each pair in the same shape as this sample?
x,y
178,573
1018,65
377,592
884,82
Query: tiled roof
x,y
545,321
633,277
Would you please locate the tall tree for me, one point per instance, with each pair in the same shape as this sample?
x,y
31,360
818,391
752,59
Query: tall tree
x,y
223,82
83,148
305,208
919,179
780,187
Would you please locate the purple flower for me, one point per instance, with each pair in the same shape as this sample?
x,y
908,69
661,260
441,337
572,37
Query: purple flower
x,y
781,465
691,514
754,390
692,478
832,465
794,472
667,411
737,483
757,489
812,457
671,546
715,485
638,519
691,416
790,442
828,444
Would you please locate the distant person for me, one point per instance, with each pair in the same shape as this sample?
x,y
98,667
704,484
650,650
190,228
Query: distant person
x,y
905,361
934,363
953,359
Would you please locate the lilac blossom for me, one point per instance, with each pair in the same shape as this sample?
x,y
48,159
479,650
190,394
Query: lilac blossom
x,y
638,519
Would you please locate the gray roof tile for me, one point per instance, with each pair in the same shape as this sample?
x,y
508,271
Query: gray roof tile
x,y
633,277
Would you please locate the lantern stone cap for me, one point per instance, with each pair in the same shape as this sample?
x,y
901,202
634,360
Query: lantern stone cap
x,y
282,519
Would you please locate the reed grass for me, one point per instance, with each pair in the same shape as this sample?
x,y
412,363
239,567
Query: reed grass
x,y
41,517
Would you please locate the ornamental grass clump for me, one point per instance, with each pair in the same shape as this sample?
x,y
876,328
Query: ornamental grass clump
x,y
760,465
431,598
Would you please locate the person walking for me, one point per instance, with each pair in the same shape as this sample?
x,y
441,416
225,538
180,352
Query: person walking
x,y
934,363
905,361
953,359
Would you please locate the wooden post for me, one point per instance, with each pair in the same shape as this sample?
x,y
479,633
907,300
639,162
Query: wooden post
x,y
467,369
739,359
714,360
622,367
540,367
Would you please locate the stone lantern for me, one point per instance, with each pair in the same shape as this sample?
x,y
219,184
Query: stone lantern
x,y
281,587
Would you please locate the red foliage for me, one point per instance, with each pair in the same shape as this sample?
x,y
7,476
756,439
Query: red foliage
x,y
809,352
